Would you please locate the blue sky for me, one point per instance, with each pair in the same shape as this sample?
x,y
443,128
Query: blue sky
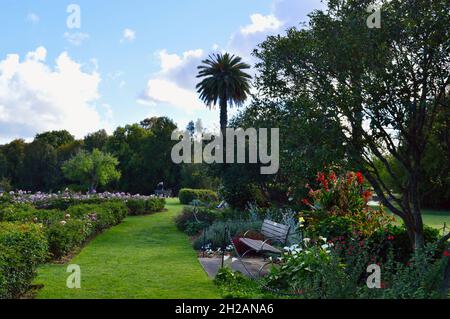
x,y
128,60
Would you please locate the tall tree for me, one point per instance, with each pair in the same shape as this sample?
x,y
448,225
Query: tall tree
x,y
55,138
92,169
224,82
40,169
384,86
96,140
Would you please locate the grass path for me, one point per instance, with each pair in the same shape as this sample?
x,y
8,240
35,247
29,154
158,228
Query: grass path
x,y
143,258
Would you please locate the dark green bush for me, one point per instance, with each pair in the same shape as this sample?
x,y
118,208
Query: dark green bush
x,y
145,206
102,215
16,212
187,195
22,248
188,223
399,240
155,205
65,236
234,285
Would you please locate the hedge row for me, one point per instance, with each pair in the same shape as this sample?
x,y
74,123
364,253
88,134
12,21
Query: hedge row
x,y
67,230
142,207
187,195
22,248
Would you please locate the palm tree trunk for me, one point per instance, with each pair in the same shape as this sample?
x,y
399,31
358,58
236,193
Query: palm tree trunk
x,y
223,116
223,124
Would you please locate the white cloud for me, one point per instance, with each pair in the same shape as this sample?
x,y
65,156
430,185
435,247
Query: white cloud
x,y
175,83
128,35
159,90
261,23
33,18
35,97
76,38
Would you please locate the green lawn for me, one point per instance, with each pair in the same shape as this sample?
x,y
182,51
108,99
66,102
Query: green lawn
x,y
432,218
142,258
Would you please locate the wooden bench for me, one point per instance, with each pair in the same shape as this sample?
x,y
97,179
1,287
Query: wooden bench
x,y
272,232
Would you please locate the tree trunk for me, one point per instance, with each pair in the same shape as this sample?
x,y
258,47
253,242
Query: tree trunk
x,y
223,125
223,116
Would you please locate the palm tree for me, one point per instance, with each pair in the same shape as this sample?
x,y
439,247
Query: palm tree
x,y
224,82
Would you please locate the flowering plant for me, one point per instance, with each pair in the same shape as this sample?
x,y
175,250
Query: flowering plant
x,y
339,206
304,267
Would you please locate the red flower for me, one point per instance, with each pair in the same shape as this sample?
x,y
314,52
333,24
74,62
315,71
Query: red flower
x,y
390,237
367,195
306,202
349,178
322,180
360,178
447,253
333,176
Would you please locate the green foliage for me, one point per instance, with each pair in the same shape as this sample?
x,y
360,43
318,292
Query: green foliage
x,y
40,166
64,236
187,195
191,223
399,241
55,138
319,270
144,153
67,230
234,285
96,140
238,188
92,169
22,248
148,206
355,76
103,215
224,82
309,138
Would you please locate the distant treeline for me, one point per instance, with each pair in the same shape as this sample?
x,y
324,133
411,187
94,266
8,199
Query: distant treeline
x,y
143,151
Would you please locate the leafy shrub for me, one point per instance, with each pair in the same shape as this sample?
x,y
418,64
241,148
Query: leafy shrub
x,y
240,195
311,271
214,235
145,206
187,195
398,239
103,216
234,285
16,212
338,270
64,237
22,248
62,203
194,219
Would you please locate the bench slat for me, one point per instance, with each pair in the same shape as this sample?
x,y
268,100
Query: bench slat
x,y
258,245
271,234
272,224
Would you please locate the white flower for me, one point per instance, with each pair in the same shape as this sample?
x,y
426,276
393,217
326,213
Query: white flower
x,y
323,239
